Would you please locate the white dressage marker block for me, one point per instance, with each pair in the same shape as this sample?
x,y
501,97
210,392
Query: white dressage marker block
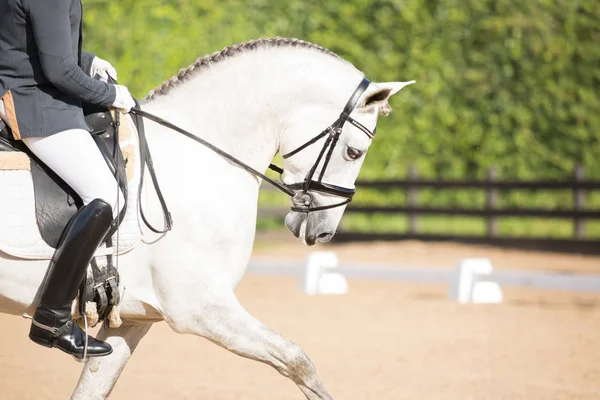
x,y
471,283
319,277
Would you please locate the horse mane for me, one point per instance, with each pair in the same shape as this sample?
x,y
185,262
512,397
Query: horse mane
x,y
228,52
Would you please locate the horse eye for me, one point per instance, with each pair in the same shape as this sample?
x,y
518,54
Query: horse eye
x,y
353,153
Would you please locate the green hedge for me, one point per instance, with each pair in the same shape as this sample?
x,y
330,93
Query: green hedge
x,y
512,84
508,83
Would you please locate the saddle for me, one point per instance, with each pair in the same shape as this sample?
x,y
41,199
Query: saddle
x,y
56,203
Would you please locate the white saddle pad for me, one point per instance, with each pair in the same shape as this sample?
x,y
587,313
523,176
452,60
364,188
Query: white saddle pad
x,y
19,233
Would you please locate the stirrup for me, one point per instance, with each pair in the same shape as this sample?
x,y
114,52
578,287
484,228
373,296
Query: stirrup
x,y
85,358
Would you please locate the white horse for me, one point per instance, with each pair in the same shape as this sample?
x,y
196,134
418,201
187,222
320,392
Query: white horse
x,y
252,100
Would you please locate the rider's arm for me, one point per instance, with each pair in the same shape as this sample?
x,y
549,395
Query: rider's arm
x,y
86,62
52,32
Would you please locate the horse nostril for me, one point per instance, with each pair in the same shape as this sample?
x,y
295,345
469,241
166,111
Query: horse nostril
x,y
324,237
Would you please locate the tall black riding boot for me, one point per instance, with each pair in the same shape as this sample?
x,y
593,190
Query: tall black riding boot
x,y
52,324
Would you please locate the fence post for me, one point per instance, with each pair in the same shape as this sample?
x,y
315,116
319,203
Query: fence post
x,y
579,194
491,204
413,196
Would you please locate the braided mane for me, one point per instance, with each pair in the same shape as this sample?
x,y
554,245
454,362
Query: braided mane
x,y
227,52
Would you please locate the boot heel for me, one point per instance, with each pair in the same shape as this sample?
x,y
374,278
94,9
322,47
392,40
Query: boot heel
x,y
41,341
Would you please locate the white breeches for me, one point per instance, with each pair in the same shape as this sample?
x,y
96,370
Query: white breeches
x,y
74,156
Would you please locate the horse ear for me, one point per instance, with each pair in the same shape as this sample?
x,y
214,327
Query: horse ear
x,y
378,94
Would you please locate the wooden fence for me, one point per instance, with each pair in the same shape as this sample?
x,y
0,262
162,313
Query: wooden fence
x,y
491,212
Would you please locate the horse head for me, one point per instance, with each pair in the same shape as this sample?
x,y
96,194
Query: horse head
x,y
322,169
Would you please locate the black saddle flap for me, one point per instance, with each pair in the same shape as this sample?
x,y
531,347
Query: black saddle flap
x,y
55,202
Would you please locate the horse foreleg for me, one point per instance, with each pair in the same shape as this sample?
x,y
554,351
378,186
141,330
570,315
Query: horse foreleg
x,y
222,320
100,374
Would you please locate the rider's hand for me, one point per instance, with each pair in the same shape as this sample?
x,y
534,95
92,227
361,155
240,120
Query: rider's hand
x,y
123,100
103,69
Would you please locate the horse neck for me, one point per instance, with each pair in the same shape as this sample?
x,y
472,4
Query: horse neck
x,y
244,104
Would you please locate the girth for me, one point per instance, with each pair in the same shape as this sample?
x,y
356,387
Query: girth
x,y
99,291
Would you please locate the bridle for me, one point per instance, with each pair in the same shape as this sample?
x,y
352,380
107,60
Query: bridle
x,y
300,192
301,197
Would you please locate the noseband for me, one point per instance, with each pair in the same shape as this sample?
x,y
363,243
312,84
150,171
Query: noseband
x,y
301,197
300,192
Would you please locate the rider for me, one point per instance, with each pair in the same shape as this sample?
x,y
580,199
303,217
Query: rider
x,y
44,78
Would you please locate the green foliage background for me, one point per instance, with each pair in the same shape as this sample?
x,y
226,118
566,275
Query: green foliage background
x,y
506,83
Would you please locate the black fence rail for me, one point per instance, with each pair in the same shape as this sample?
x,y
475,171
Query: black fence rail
x,y
491,212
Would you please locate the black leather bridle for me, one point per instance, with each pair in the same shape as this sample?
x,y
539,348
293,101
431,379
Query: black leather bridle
x,y
300,191
302,199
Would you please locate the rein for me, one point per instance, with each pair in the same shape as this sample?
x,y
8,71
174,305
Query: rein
x,y
214,148
299,191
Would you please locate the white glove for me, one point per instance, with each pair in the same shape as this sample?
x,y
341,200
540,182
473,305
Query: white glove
x,y
123,100
103,68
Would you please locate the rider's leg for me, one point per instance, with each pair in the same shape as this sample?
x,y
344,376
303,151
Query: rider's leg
x,y
52,324
74,156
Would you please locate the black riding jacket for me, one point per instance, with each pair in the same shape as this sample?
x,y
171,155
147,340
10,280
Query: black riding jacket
x,y
44,75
